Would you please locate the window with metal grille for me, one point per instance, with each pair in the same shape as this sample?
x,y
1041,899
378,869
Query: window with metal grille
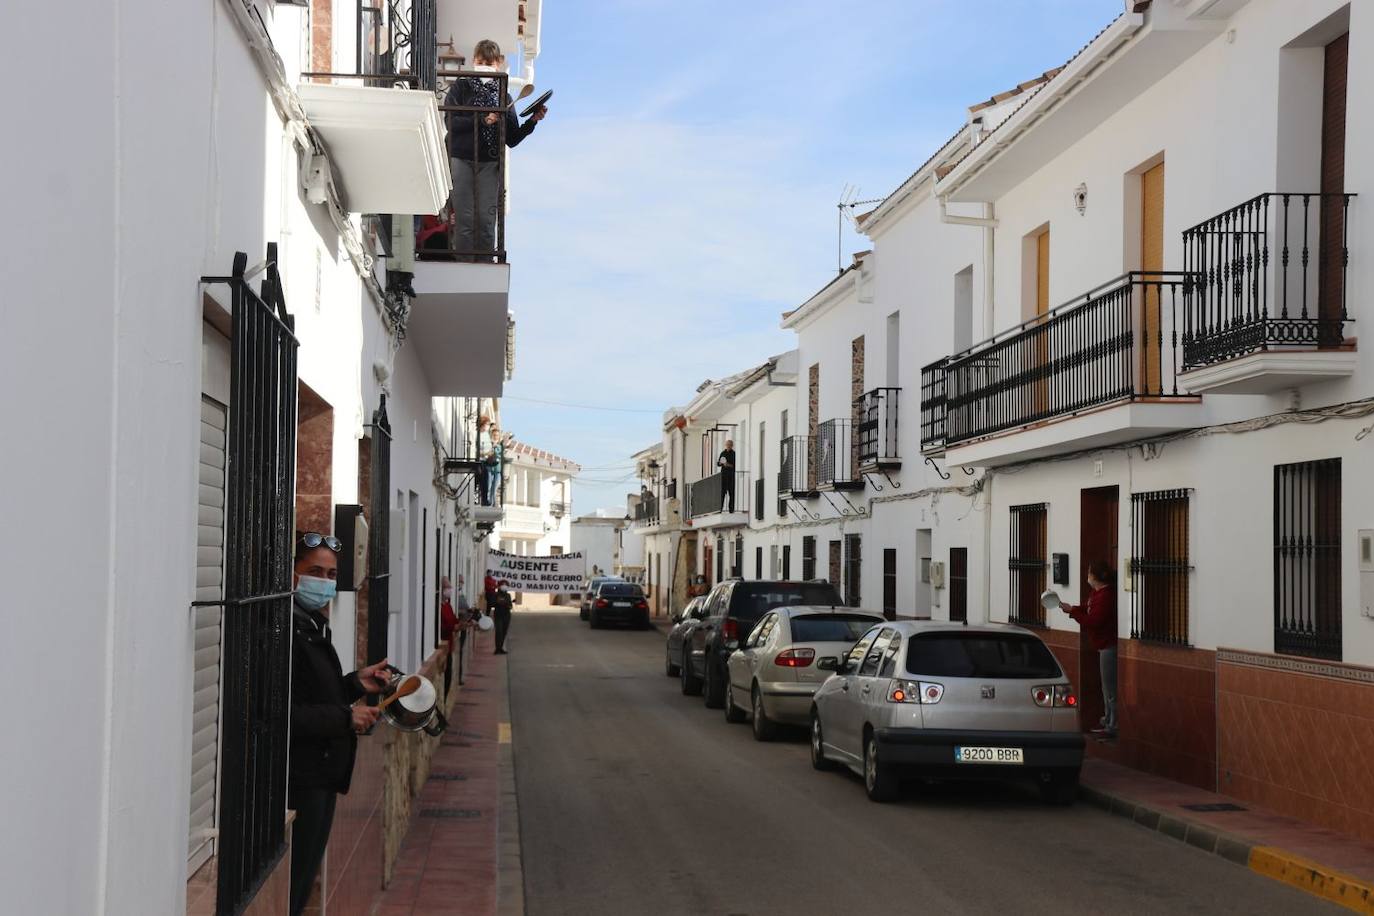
x,y
1307,559
738,570
853,566
1160,567
758,562
890,583
1027,564
786,561
809,557
958,583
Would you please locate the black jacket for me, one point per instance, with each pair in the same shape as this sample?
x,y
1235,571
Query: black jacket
x,y
323,743
461,125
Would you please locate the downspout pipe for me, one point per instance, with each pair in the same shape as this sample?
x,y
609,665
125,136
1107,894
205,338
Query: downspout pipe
x,y
988,223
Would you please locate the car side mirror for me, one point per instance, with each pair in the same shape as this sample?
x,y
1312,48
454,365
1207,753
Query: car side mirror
x,y
828,663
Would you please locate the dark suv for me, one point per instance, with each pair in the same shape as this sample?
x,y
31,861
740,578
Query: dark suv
x,y
619,602
732,609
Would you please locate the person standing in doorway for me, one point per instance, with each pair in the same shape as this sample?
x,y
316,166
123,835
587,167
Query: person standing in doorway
x,y
502,614
1098,619
726,464
474,148
324,722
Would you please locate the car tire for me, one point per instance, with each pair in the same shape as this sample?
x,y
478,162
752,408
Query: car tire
x,y
818,759
1059,787
713,689
880,782
691,684
582,614
765,729
733,714
669,668
646,623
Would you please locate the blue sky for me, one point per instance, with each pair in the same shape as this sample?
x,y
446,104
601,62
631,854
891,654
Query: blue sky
x,y
681,194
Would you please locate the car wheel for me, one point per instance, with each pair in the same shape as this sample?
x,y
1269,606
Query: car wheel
x,y
691,684
582,614
713,690
818,758
765,729
669,668
880,782
1059,787
646,623
733,714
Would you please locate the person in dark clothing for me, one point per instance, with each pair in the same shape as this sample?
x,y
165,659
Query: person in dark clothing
x,y
501,615
324,723
726,463
1098,619
474,148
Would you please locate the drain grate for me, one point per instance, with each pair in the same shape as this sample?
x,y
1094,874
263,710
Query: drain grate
x,y
449,777
1216,806
466,813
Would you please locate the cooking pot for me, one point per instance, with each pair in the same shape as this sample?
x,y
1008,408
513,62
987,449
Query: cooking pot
x,y
418,711
1050,600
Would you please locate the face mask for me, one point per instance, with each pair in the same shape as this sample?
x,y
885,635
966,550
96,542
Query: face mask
x,y
313,593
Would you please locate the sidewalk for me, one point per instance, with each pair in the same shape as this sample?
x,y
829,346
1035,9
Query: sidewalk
x,y
462,851
1322,862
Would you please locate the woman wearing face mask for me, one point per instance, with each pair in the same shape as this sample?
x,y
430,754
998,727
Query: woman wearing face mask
x,y
324,723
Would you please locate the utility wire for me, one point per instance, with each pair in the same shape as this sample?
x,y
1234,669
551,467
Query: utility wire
x,y
510,397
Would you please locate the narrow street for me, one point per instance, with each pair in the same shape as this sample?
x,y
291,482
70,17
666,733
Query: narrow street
x,y
637,800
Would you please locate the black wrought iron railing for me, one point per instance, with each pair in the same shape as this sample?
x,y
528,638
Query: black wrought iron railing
x,y
879,414
1160,566
1114,343
473,226
260,486
836,454
933,406
397,43
1271,275
717,493
376,603
1307,559
670,489
797,467
646,512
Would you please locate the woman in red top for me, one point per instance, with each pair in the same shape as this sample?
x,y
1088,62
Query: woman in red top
x,y
1098,620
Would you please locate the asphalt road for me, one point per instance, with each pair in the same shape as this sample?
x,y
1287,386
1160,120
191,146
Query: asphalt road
x,y
637,800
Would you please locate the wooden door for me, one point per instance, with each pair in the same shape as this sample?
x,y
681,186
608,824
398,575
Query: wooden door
x,y
1151,261
1331,245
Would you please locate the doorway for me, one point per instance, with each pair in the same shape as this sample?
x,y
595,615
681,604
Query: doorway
x,y
1151,262
1098,535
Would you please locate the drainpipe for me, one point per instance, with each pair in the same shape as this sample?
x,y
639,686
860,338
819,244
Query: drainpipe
x,y
988,223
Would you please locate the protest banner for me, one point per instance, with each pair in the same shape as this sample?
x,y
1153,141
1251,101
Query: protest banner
x,y
560,574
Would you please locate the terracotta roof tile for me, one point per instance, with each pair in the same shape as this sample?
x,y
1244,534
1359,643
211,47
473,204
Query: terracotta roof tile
x,y
540,455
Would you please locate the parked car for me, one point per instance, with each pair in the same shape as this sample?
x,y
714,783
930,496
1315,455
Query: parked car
x,y
589,594
938,699
732,609
772,676
682,625
619,602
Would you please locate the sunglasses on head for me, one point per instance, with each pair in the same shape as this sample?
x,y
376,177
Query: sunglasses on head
x,y
310,540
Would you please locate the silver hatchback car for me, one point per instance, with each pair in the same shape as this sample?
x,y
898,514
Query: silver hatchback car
x,y
773,674
940,699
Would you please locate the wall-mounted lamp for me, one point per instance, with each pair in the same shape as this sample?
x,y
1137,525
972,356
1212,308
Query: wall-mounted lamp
x,y
1080,198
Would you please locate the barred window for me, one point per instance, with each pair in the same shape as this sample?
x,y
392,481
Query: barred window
x,y
809,557
853,564
786,561
1307,559
1027,564
958,584
1160,566
890,583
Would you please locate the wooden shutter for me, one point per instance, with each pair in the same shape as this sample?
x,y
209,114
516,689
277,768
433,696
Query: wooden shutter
x,y
209,587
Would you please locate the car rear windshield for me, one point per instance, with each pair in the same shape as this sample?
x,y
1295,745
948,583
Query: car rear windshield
x,y
751,600
987,655
831,627
617,590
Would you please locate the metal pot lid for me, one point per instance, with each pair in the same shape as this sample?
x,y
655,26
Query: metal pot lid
x,y
423,699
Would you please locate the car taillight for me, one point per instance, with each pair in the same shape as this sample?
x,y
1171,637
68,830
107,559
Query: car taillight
x,y
602,602
795,658
922,692
729,629
1054,695
641,604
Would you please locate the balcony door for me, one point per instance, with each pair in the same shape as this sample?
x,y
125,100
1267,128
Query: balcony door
x,y
1151,260
1331,247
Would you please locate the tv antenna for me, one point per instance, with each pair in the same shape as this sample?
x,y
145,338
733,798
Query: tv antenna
x,y
845,211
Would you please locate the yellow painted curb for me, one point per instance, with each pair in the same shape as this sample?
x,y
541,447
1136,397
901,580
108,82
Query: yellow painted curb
x,y
1309,876
503,735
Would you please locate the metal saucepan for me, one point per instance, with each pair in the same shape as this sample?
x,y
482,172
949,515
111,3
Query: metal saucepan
x,y
1049,601
417,712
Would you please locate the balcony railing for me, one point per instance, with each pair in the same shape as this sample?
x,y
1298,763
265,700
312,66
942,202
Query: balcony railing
x,y
559,509
933,405
836,456
1271,275
878,429
797,467
1104,347
397,42
646,512
708,495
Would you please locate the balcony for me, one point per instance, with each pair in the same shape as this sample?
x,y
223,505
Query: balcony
x,y
380,124
1269,309
1095,371
460,326
933,407
837,454
878,410
527,521
707,502
559,509
797,469
646,512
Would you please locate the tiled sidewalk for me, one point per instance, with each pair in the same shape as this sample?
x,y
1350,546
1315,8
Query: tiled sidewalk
x,y
1331,865
464,823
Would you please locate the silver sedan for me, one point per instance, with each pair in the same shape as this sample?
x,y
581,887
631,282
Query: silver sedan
x,y
774,672
940,699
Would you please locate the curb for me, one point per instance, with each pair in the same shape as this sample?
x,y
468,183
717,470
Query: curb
x,y
1269,861
510,867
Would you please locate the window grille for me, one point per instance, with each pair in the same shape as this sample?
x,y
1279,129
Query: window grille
x,y
890,583
1160,567
809,557
786,561
1027,564
758,562
1307,559
853,563
958,584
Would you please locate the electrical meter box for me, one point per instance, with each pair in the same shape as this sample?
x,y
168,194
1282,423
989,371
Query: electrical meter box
x,y
937,574
350,527
1060,568
1365,549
